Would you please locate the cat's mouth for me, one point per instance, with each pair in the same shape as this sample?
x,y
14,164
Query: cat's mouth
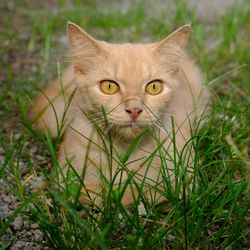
x,y
128,129
134,126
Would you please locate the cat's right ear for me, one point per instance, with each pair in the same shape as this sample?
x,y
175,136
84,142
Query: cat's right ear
x,y
84,46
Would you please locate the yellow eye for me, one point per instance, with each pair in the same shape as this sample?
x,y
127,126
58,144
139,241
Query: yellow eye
x,y
109,87
154,88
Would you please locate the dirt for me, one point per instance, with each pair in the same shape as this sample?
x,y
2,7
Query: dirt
x,y
21,234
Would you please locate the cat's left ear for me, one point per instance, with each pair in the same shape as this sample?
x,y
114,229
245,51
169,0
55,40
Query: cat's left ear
x,y
178,38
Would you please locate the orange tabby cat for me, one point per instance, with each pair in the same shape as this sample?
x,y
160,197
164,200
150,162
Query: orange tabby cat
x,y
137,85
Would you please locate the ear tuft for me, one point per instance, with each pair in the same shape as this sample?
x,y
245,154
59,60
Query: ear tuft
x,y
72,28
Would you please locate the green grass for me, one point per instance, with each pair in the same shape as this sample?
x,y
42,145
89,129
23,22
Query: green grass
x,y
212,215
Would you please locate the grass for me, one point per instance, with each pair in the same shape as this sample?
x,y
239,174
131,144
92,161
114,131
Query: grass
x,y
212,215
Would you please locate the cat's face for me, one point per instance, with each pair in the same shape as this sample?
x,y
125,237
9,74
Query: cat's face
x,y
132,82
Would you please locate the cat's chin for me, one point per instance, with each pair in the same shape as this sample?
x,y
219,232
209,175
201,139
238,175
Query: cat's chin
x,y
128,131
131,132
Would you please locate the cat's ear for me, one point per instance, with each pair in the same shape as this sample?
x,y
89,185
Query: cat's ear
x,y
178,38
84,47
80,38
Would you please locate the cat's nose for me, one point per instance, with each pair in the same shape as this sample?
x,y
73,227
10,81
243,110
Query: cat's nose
x,y
134,112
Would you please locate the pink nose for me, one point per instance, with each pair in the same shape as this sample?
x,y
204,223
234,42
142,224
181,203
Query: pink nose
x,y
134,112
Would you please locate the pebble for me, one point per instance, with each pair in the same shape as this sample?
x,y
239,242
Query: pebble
x,y
38,236
34,226
26,224
7,199
29,233
1,151
14,248
17,223
40,157
4,211
22,168
36,183
20,244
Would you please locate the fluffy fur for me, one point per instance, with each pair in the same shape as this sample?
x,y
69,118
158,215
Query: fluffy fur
x,y
132,67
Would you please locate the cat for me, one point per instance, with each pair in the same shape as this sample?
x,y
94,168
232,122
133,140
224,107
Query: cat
x,y
124,89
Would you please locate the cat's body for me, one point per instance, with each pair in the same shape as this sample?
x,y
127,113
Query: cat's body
x,y
137,85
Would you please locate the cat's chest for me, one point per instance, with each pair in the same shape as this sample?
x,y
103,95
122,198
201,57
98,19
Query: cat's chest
x,y
140,161
114,157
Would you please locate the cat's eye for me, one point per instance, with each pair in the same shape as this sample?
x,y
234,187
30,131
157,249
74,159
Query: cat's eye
x,y
154,87
109,87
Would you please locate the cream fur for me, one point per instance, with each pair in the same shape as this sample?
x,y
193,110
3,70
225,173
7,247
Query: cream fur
x,y
132,66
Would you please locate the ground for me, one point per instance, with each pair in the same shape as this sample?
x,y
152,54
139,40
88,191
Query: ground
x,y
33,41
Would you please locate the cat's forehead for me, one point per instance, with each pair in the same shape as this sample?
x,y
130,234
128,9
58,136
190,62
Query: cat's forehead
x,y
129,51
130,60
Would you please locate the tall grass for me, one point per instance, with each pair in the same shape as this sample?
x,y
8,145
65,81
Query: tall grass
x,y
209,213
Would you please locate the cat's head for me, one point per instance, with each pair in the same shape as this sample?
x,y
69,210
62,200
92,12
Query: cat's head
x,y
132,82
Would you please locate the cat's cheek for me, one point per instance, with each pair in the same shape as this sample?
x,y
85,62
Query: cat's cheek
x,y
157,101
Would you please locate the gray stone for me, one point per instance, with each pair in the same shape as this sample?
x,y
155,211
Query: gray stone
x,y
17,223
38,236
26,224
4,211
29,233
20,244
36,183
7,199
34,226
14,248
